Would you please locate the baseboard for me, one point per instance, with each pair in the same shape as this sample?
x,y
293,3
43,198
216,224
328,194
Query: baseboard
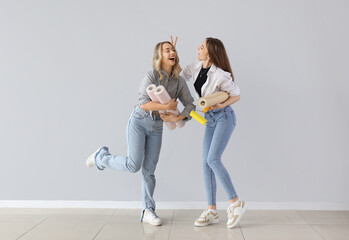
x,y
170,205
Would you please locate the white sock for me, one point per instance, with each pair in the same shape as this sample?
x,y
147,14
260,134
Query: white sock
x,y
235,203
212,210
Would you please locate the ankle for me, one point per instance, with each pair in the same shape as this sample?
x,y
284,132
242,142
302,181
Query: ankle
x,y
234,202
213,210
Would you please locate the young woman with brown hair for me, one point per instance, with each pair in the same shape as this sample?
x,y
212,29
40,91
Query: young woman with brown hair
x,y
210,75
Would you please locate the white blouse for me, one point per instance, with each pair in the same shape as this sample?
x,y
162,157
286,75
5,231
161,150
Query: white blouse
x,y
217,80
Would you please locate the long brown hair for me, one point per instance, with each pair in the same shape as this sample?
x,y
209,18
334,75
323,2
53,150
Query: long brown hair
x,y
158,58
218,55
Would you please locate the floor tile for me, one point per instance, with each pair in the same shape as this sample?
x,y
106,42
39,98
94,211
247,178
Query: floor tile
x,y
133,216
85,211
186,216
271,217
13,230
181,231
133,231
325,217
66,231
277,232
31,211
333,231
80,216
14,222
15,218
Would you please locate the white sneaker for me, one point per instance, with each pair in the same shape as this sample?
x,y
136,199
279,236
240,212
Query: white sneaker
x,y
235,213
207,217
151,218
91,160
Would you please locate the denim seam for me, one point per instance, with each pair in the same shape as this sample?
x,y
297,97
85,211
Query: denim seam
x,y
213,203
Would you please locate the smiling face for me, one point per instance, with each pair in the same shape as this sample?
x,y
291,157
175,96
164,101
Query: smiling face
x,y
169,55
203,52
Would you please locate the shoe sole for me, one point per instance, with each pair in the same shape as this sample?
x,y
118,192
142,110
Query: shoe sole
x,y
206,224
153,224
91,162
239,217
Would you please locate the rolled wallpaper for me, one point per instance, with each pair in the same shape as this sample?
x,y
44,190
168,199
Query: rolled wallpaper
x,y
151,93
163,96
213,99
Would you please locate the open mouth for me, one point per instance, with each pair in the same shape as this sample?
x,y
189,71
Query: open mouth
x,y
172,59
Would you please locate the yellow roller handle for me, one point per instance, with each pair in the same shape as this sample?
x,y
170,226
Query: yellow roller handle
x,y
198,117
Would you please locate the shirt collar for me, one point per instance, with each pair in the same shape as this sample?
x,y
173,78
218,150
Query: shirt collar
x,y
165,73
213,67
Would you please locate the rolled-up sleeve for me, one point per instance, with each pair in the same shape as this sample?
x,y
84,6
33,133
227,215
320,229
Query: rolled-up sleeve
x,y
187,72
142,93
228,85
186,99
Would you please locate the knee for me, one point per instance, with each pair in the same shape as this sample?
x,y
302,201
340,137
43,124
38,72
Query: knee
x,y
213,162
134,168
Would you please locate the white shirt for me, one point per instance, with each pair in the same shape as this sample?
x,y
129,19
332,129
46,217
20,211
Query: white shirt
x,y
217,80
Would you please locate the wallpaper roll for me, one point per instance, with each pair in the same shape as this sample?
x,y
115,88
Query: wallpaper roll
x,y
213,99
164,98
151,93
150,90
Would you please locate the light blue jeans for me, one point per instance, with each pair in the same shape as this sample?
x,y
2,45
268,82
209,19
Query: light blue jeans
x,y
144,136
219,127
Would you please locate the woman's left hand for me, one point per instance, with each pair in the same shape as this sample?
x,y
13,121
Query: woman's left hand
x,y
217,106
169,117
175,42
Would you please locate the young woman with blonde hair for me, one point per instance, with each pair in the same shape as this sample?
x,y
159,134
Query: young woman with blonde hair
x,y
210,75
145,125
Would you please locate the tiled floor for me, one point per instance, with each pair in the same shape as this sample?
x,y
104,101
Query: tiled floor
x,y
105,224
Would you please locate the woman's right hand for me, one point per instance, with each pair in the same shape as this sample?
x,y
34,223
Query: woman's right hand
x,y
172,105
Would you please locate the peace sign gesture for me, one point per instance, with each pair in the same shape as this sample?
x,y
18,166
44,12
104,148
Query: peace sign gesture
x,y
174,43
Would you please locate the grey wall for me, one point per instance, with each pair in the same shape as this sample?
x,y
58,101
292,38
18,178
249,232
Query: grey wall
x,y
70,72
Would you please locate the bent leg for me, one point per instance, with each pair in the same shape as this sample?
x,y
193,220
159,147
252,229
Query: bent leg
x,y
136,143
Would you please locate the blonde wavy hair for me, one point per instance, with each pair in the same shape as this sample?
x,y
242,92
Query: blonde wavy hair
x,y
158,58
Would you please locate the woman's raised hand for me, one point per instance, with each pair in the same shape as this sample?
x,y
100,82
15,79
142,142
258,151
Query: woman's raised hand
x,y
175,42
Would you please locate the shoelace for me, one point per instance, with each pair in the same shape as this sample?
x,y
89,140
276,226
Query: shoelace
x,y
231,210
204,215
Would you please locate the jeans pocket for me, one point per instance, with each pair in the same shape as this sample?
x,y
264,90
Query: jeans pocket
x,y
139,115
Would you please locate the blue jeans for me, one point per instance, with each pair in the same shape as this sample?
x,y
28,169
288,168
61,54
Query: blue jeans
x,y
144,136
219,127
